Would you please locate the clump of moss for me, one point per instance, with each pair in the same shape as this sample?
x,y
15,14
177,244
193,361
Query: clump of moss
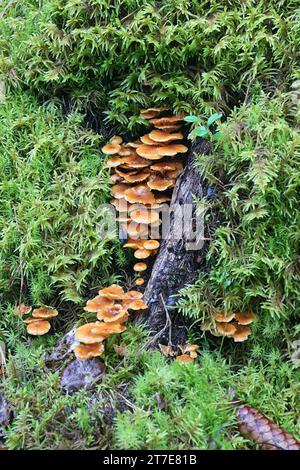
x,y
253,258
52,182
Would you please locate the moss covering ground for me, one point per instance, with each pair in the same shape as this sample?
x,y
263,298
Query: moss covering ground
x,y
60,61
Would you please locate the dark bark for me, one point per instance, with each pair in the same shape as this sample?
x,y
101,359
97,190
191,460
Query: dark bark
x,y
175,265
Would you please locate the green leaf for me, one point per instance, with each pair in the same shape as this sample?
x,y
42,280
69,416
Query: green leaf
x,y
213,118
192,118
201,131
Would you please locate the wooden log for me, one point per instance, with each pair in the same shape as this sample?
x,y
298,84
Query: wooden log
x,y
176,265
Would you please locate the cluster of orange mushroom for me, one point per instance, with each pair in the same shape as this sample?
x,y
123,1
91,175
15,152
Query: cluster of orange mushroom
x,y
111,306
233,325
145,172
38,324
188,352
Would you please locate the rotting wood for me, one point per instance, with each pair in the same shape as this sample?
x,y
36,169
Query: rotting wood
x,y
175,265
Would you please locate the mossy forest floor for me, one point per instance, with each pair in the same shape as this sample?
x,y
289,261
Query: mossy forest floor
x,y
71,70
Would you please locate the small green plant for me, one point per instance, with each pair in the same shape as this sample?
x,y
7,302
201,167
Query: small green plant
x,y
202,128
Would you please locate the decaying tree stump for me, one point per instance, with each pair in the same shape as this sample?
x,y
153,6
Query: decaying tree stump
x,y
176,264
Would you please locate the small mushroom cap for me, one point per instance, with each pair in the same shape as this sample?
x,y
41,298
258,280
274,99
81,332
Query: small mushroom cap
x,y
116,140
149,152
135,244
113,162
38,327
134,144
120,204
112,292
167,121
139,281
23,309
126,152
168,128
188,347
109,328
144,216
44,312
184,358
151,112
172,149
135,162
245,318
151,244
137,178
87,351
160,184
111,149
147,141
161,199
222,318
118,190
97,303
241,334
193,354
140,267
136,230
113,314
135,304
140,193
163,167
133,295
89,333
141,253
226,329
162,136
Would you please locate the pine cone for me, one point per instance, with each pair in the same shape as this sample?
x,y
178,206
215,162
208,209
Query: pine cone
x,y
253,425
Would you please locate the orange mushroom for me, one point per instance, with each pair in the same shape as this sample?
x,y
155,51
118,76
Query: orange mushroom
x,y
23,309
226,329
136,305
87,351
163,136
140,193
38,327
111,149
158,183
114,292
142,253
184,358
241,334
44,312
139,281
118,190
116,313
222,318
151,244
89,333
149,152
245,318
116,140
140,267
167,121
97,303
147,141
172,149
144,216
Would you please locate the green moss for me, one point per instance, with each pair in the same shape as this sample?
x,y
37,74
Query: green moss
x,y
253,256
121,56
52,182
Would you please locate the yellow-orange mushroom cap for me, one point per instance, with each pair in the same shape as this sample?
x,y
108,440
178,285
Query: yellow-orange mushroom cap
x,y
241,334
245,318
144,216
135,244
184,358
172,149
140,267
116,140
97,303
133,295
38,327
141,253
147,141
151,244
137,178
112,292
160,184
87,351
44,312
226,329
139,281
135,304
149,152
118,190
89,333
111,149
140,193
222,318
113,314
23,309
162,136
167,121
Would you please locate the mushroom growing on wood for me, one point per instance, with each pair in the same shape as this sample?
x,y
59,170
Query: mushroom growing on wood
x,y
163,136
140,267
111,149
139,194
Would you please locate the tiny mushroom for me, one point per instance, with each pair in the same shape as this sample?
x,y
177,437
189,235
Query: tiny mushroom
x,y
111,149
140,267
139,281
142,253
